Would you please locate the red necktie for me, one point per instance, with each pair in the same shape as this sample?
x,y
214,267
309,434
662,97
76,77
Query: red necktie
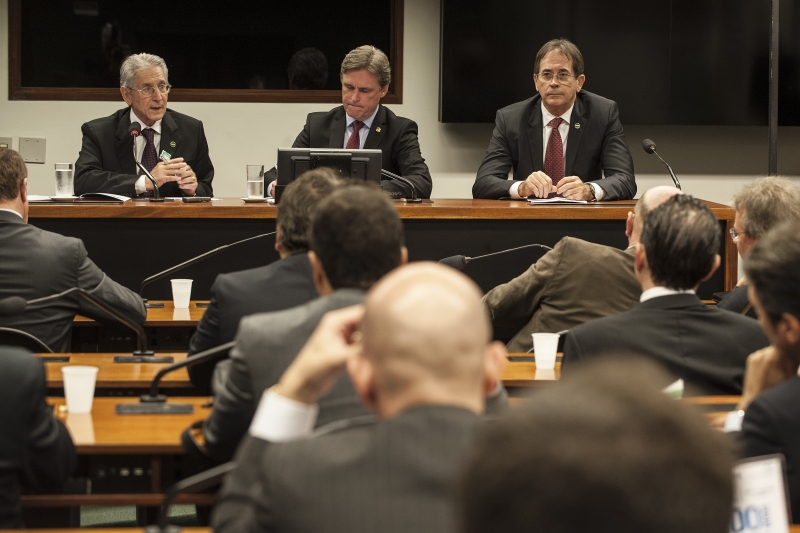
x,y
354,142
554,156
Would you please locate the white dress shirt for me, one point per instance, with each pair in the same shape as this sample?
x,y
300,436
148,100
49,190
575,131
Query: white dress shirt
x,y
655,292
141,142
11,211
281,419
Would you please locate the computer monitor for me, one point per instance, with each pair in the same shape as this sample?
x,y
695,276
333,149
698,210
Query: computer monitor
x,y
355,164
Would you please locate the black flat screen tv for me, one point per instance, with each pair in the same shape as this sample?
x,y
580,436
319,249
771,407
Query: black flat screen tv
x,y
364,165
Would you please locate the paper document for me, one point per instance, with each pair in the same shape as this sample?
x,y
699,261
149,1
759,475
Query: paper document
x,y
538,201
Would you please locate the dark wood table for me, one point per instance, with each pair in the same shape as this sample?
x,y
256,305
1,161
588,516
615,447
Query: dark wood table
x,y
137,239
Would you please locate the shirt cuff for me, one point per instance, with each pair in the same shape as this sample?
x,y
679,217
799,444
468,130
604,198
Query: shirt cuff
x,y
269,189
513,191
140,186
599,193
281,419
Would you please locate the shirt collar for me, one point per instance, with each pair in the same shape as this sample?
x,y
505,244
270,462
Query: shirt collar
x,y
367,121
547,116
655,292
10,211
156,126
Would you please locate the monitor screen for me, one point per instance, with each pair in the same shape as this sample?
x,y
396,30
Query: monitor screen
x,y
364,165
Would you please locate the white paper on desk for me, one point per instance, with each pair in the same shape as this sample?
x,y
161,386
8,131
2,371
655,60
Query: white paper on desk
x,y
38,198
180,199
537,201
760,495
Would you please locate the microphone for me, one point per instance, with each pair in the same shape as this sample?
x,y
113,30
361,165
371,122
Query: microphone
x,y
192,261
460,261
134,130
16,305
650,147
154,403
195,483
395,177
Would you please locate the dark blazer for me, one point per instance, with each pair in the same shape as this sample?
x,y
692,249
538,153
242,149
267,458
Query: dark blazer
x,y
736,301
556,292
595,146
397,139
36,263
398,475
705,346
279,285
106,164
36,451
772,425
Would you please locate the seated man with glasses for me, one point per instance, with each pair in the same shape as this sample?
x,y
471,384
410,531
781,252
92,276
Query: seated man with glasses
x,y
561,142
171,146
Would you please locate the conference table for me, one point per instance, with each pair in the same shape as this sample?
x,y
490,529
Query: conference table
x,y
134,240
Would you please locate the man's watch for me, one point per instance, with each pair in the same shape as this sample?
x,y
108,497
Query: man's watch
x,y
594,196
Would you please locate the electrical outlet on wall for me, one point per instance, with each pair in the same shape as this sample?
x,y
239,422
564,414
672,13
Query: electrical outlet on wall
x,y
32,150
5,142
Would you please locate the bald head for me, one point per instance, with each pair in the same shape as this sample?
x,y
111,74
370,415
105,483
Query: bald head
x,y
651,199
425,327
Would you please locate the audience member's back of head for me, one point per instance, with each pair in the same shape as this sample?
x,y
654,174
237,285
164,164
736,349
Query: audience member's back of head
x,y
12,174
773,270
603,451
681,239
298,204
357,236
308,69
767,202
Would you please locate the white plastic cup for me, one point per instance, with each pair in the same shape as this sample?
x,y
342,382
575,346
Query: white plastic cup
x,y
181,293
545,346
79,387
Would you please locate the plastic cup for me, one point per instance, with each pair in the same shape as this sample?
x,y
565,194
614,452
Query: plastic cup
x,y
79,387
181,293
255,181
545,346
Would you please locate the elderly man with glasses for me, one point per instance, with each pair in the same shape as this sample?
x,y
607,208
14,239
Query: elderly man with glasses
x,y
171,145
562,142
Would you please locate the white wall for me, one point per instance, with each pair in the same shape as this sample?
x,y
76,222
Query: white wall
x,y
711,162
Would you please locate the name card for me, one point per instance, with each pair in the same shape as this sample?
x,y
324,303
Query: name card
x,y
760,502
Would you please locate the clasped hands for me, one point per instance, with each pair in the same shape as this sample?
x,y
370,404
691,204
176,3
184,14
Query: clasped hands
x,y
174,170
540,185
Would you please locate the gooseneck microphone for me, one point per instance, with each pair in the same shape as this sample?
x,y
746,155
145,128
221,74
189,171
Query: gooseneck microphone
x,y
192,261
650,147
395,177
460,261
134,130
16,305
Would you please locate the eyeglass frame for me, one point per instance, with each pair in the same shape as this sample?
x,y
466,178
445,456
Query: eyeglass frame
x,y
556,75
735,234
152,90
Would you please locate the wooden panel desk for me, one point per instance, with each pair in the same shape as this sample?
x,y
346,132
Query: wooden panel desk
x,y
111,375
137,239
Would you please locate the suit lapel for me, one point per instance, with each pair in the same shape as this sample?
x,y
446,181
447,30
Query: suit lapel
x,y
123,145
336,133
576,128
377,131
170,137
535,138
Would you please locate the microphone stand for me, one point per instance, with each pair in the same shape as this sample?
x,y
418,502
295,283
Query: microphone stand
x,y
460,261
156,195
392,176
671,173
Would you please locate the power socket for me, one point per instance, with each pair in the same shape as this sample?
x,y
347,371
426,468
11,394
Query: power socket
x,y
5,142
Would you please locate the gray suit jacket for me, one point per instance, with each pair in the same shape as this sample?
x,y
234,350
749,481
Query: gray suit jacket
x,y
266,345
557,292
595,147
36,263
397,475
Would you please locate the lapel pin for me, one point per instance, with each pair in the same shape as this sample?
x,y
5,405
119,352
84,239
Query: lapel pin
x,y
577,125
378,129
172,143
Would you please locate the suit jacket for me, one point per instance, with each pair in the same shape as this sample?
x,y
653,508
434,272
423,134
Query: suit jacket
x,y
36,451
397,475
595,146
736,300
772,425
106,164
397,139
280,285
705,346
556,292
36,263
266,344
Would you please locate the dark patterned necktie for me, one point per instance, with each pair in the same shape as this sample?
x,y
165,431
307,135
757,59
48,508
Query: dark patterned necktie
x,y
354,142
149,158
554,156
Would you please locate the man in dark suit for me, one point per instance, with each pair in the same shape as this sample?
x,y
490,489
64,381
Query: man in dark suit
x,y
771,385
424,363
36,263
361,122
356,238
564,141
106,161
760,206
556,293
705,346
36,451
279,285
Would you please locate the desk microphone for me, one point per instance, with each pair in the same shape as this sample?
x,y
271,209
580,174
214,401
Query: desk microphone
x,y
201,257
155,403
16,305
460,261
395,177
650,147
134,130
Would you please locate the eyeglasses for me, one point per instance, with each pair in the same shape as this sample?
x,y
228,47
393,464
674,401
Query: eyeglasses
x,y
562,77
735,234
148,91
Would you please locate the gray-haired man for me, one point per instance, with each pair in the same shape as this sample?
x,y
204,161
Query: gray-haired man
x,y
106,160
